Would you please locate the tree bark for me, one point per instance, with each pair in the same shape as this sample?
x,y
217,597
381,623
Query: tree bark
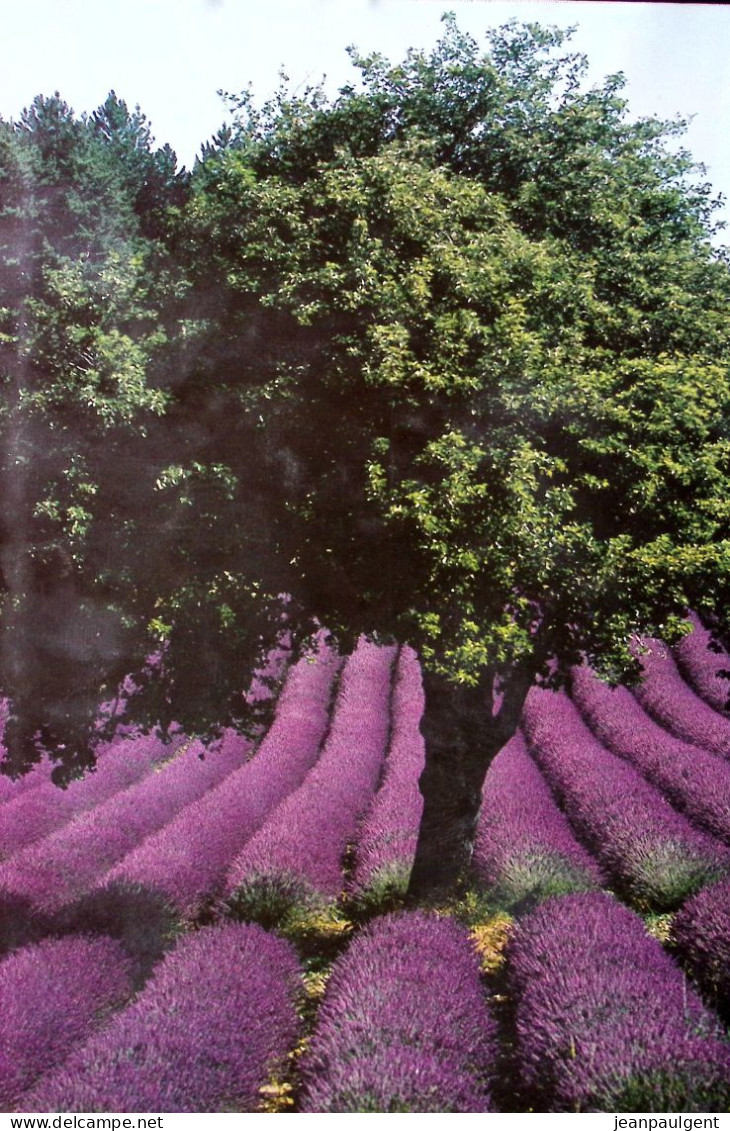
x,y
462,735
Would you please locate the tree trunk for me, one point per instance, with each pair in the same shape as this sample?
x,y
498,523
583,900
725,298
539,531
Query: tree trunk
x,y
462,736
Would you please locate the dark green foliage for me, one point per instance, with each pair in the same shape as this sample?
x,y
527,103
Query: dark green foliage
x,y
80,297
274,902
693,1086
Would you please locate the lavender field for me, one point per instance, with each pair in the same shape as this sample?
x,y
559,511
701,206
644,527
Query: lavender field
x,y
254,891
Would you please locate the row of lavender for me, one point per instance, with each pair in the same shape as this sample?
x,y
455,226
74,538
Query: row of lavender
x,y
525,844
603,1019
652,854
293,858
162,813
215,1020
405,1025
614,794
672,702
525,848
144,836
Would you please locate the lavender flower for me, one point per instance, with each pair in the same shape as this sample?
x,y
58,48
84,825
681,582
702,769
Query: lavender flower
x,y
292,858
701,934
11,788
401,1079
652,852
605,1019
186,861
525,850
215,1018
700,661
664,694
52,996
37,812
387,839
404,1025
695,781
267,680
58,869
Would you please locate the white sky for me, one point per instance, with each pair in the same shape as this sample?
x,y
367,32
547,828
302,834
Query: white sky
x,y
171,56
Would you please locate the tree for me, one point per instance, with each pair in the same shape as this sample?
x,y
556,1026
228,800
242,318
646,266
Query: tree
x,y
446,363
471,339
80,298
147,178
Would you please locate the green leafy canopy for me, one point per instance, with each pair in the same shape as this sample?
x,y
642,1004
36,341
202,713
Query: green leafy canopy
x,y
490,346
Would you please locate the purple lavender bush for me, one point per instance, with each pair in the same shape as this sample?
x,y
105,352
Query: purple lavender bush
x,y
651,852
53,995
60,868
11,788
695,781
404,1025
664,694
38,812
414,1081
386,842
186,861
217,1016
525,850
701,660
701,936
267,680
294,860
605,1020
